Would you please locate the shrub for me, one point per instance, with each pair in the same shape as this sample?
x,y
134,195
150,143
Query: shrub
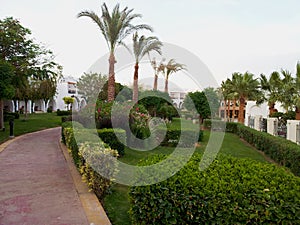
x,y
231,127
109,136
173,136
230,191
284,152
63,112
99,168
49,109
10,115
90,157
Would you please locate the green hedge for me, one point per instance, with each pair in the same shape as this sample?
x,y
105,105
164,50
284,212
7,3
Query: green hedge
x,y
231,127
173,136
90,157
109,136
284,152
63,112
230,191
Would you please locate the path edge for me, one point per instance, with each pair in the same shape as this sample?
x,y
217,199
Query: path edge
x,y
92,207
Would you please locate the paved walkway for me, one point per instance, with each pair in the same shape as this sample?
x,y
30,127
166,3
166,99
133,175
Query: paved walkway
x,y
36,185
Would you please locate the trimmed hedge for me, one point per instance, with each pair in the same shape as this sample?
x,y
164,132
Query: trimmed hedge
x,y
284,152
230,191
173,136
90,157
63,112
231,127
10,115
109,136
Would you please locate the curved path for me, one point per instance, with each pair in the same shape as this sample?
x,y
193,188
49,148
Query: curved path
x,y
36,185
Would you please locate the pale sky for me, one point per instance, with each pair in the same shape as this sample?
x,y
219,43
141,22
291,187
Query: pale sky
x,y
227,35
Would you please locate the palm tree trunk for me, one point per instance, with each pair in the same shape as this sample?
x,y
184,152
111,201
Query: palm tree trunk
x,y
166,85
228,110
111,78
241,118
271,108
297,113
135,94
234,104
1,115
155,82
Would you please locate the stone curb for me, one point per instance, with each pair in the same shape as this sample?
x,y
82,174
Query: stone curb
x,y
92,207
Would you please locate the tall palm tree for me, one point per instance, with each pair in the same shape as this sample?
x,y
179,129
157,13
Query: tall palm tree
x,y
246,88
229,96
156,69
288,90
142,46
272,89
167,69
297,94
115,27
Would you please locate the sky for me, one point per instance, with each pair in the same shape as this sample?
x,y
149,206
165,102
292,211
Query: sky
x,y
226,35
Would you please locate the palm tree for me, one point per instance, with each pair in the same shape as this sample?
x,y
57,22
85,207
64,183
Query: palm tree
x,y
297,95
156,69
141,47
115,27
272,89
167,69
288,92
245,87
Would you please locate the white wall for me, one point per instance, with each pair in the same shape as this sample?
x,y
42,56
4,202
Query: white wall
x,y
256,110
292,130
272,124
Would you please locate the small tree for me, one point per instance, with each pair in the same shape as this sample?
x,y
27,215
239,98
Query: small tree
x,y
198,101
68,100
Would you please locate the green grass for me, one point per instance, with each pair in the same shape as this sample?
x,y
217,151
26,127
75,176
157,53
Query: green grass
x,y
34,122
117,203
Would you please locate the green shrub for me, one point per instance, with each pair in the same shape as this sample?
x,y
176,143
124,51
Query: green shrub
x,y
63,112
173,136
231,127
284,152
99,168
230,191
109,136
10,115
90,156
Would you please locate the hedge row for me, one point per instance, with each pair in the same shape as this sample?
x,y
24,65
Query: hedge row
x,y
284,152
231,127
173,136
109,136
93,158
230,191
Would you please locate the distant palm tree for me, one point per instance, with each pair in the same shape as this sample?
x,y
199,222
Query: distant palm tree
x,y
272,89
297,94
156,69
288,91
142,46
167,69
115,27
245,87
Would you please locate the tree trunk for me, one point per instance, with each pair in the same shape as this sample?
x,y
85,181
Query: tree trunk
x,y
234,104
155,82
26,108
271,108
297,113
241,118
1,115
228,110
111,78
135,94
166,85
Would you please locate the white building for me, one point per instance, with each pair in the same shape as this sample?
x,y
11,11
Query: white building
x,y
177,98
66,87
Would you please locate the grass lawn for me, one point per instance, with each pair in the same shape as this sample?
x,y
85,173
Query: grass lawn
x,y
35,122
116,204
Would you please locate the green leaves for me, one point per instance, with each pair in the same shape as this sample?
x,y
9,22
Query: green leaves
x,y
230,191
